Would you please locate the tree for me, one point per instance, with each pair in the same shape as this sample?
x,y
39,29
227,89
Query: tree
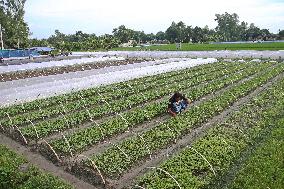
x,y
150,37
253,32
228,28
15,30
197,35
139,36
181,31
188,34
172,33
108,41
243,31
281,33
38,43
123,34
58,40
177,32
265,34
205,34
161,36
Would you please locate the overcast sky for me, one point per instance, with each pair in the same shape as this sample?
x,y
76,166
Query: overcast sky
x,y
101,16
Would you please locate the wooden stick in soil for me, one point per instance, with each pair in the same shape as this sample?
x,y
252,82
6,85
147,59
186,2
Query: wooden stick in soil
x,y
204,159
19,131
53,151
95,168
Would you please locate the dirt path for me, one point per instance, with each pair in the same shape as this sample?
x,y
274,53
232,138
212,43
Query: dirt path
x,y
39,161
195,134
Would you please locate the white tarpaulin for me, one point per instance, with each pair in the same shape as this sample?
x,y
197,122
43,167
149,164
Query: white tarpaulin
x,y
192,54
14,92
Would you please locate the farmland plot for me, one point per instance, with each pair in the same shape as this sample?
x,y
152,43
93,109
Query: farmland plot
x,y
120,136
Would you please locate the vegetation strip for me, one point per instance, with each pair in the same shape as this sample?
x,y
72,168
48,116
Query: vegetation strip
x,y
195,134
17,172
88,103
221,145
87,137
113,163
69,121
143,83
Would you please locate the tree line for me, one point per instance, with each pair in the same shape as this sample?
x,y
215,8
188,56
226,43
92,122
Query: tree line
x,y
229,28
15,30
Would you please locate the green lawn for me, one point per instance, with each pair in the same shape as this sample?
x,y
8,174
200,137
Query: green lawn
x,y
210,47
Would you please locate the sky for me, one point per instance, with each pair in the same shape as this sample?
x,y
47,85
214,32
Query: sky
x,y
150,16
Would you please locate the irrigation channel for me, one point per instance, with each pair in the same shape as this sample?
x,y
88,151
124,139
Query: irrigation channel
x,y
107,127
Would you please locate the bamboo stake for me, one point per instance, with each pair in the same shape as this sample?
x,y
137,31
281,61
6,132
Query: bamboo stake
x,y
53,151
211,167
95,167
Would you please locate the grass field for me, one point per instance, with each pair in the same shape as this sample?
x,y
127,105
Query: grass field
x,y
209,47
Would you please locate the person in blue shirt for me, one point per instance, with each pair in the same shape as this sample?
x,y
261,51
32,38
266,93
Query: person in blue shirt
x,y
177,104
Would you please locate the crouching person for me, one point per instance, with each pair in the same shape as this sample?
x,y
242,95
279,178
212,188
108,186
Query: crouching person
x,y
177,104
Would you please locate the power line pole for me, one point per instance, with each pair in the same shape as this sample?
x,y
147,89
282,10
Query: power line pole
x,y
1,38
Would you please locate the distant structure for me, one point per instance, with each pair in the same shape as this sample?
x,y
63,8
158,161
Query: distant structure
x,y
178,45
130,43
13,53
43,50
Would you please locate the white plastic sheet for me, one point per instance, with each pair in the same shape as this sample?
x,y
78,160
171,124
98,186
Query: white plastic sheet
x,y
192,54
32,66
15,92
